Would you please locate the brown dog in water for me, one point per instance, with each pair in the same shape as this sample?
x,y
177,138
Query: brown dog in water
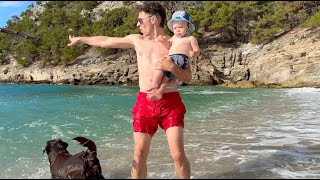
x,y
63,165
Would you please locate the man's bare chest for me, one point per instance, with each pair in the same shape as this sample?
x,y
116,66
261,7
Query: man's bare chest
x,y
152,50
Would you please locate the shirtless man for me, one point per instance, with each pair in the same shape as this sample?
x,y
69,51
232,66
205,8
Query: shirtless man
x,y
147,115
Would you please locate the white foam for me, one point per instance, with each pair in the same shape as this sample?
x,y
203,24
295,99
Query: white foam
x,y
123,117
286,173
58,132
35,124
207,92
303,90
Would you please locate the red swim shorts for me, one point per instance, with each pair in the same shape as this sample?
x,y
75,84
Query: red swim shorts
x,y
166,112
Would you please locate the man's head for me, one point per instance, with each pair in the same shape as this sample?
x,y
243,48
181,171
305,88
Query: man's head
x,y
150,14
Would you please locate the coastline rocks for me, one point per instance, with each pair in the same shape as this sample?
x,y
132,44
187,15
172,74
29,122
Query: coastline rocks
x,y
280,63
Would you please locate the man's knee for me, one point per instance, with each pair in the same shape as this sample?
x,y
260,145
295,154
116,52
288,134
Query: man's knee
x,y
178,156
140,156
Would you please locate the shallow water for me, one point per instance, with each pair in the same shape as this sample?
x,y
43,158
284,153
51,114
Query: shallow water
x,y
229,133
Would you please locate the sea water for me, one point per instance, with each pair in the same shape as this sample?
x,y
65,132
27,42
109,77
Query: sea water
x,y
229,132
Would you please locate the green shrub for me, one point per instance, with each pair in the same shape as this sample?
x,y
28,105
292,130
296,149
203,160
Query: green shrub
x,y
313,21
245,21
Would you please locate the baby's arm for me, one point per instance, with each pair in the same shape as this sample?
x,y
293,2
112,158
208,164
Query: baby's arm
x,y
195,47
164,40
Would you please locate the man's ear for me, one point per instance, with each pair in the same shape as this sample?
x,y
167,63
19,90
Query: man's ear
x,y
154,20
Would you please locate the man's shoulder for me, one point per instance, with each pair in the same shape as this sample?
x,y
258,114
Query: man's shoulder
x,y
135,36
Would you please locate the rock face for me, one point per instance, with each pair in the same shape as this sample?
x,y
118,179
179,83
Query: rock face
x,y
292,60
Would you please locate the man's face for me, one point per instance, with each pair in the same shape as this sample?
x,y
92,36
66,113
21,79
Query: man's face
x,y
144,23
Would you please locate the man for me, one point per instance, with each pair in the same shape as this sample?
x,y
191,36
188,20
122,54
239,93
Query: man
x,y
167,112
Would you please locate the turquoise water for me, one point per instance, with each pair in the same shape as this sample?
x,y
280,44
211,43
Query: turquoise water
x,y
229,132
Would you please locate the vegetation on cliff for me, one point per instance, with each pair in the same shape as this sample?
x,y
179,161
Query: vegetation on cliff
x,y
234,21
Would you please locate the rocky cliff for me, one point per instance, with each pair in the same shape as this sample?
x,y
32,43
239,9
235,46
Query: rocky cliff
x,y
293,60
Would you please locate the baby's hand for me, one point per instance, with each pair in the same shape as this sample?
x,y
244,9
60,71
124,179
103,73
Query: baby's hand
x,y
160,38
191,53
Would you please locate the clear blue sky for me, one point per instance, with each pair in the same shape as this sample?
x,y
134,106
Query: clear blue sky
x,y
10,8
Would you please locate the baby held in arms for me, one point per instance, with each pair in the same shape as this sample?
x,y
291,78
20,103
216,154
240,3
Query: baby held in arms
x,y
182,46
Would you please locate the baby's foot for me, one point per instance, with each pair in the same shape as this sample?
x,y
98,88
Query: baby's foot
x,y
154,96
152,88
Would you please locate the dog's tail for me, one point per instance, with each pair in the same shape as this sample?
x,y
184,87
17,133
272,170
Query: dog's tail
x,y
86,143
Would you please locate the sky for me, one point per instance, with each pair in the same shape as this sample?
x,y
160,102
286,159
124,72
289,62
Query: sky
x,y
10,8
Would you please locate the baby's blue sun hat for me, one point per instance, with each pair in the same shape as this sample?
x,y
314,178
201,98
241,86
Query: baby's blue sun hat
x,y
181,15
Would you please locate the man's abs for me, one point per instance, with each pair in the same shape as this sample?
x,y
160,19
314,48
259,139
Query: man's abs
x,y
170,87
146,73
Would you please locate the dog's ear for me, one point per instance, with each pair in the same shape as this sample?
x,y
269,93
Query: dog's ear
x,y
44,151
47,147
64,144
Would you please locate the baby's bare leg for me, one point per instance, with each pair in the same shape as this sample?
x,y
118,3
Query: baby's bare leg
x,y
156,80
156,95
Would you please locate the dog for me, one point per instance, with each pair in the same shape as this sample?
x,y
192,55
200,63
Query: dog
x,y
63,165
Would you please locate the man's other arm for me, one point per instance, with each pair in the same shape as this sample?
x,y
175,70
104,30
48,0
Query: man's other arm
x,y
166,64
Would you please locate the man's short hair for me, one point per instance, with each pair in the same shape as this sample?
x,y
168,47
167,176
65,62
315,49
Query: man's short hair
x,y
154,8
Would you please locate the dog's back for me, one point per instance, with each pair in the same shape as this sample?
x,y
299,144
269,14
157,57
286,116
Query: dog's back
x,y
63,165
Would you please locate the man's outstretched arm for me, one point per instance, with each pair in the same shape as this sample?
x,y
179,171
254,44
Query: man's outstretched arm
x,y
103,41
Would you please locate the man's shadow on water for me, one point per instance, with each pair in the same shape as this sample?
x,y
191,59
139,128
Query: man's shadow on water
x,y
263,168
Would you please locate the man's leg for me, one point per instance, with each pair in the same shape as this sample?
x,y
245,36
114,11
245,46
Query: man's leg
x,y
142,143
175,141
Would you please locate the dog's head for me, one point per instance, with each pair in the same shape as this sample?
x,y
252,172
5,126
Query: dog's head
x,y
56,145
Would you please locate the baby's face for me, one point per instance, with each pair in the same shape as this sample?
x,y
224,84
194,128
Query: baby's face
x,y
180,28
